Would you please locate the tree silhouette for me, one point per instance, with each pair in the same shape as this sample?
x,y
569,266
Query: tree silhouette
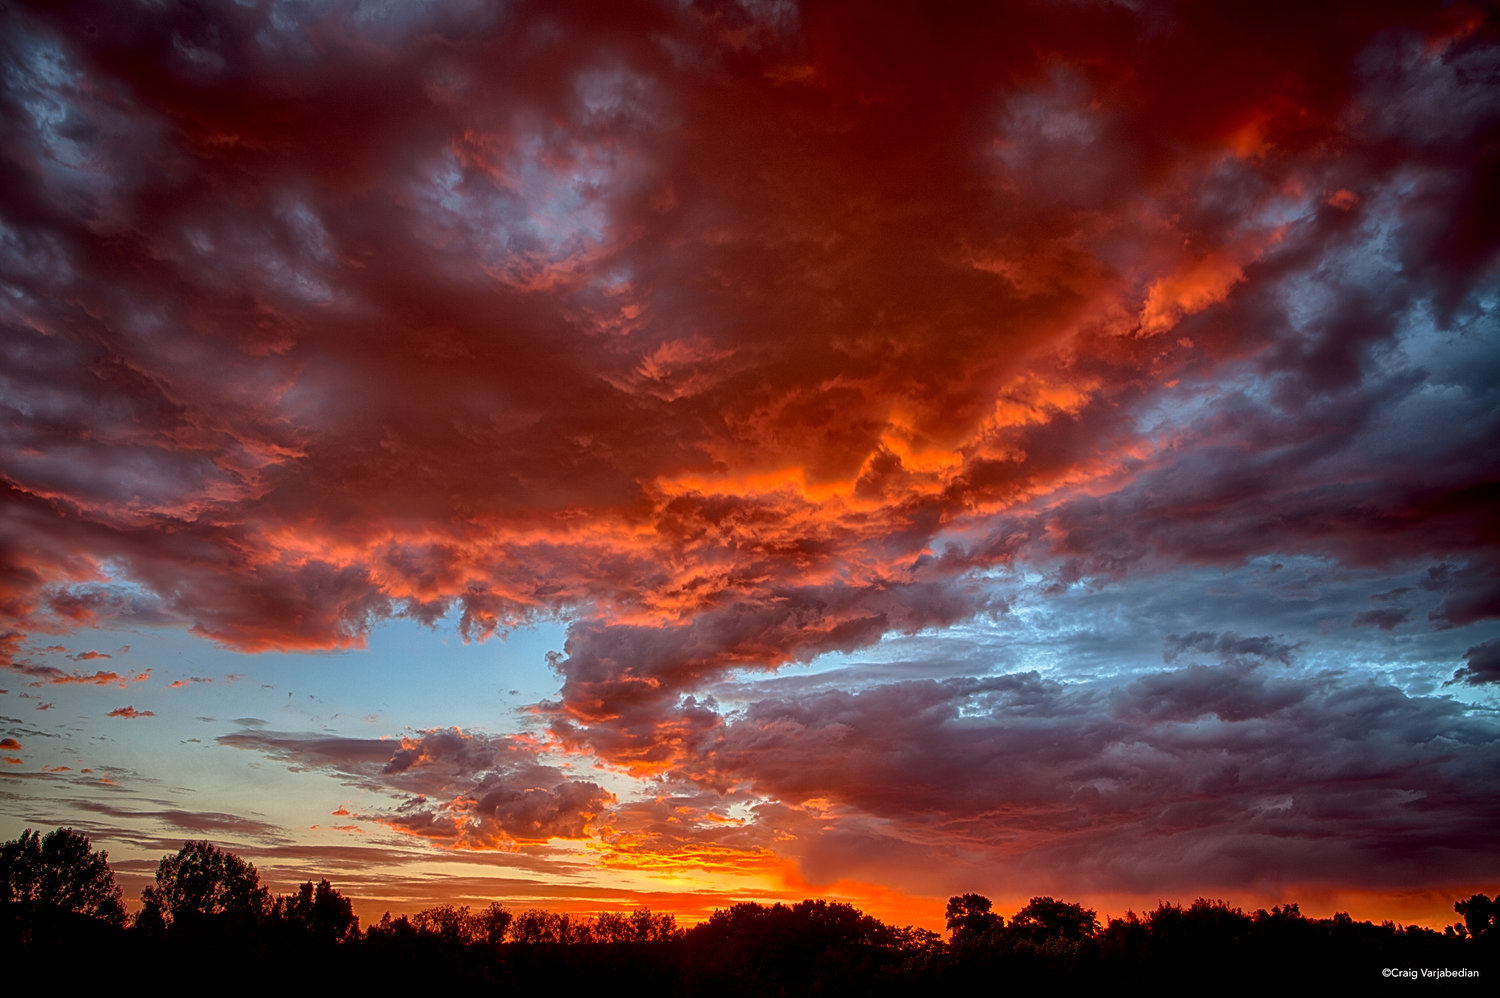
x,y
1044,918
493,923
448,922
539,925
1480,915
203,885
970,917
396,931
811,947
60,872
639,926
321,912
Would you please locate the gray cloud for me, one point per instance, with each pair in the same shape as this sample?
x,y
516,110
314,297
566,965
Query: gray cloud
x,y
1180,779
472,790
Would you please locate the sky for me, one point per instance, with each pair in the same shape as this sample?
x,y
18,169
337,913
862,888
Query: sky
x,y
590,455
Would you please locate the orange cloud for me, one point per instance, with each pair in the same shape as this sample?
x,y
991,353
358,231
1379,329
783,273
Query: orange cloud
x,y
751,345
58,678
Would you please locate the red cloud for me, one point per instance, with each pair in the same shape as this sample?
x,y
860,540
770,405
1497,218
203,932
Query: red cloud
x,y
740,337
104,679
130,712
888,335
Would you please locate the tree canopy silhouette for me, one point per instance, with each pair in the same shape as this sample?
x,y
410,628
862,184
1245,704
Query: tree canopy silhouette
x,y
638,926
203,885
1481,915
1045,918
58,898
969,917
321,912
60,872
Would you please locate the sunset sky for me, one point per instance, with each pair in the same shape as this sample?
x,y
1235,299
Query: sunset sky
x,y
591,454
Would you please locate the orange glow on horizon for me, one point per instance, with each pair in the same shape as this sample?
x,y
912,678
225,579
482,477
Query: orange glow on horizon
x,y
902,454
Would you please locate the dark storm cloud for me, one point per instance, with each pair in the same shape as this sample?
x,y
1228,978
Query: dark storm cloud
x,y
622,683
736,335
1229,646
329,295
1239,774
1386,620
1483,666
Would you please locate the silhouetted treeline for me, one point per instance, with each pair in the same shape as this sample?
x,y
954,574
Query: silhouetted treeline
x,y
207,922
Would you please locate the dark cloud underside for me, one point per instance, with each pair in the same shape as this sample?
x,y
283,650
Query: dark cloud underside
x,y
741,335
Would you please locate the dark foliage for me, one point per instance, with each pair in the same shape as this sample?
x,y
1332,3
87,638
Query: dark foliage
x,y
59,875
320,913
970,919
203,889
207,912
1043,918
812,946
1481,919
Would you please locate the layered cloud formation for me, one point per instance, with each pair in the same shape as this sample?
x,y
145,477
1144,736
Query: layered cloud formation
x,y
744,338
490,792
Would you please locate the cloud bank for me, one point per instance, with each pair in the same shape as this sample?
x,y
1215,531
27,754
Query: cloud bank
x,y
743,336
